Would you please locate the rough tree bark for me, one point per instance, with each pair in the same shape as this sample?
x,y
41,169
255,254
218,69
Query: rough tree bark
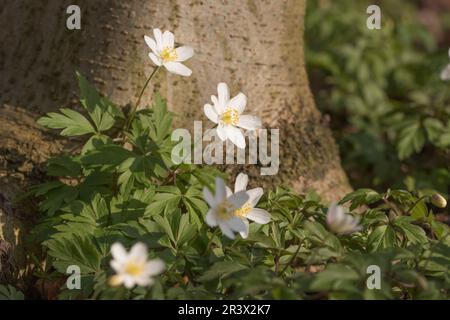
x,y
256,46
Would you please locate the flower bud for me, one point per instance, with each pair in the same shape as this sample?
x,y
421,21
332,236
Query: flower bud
x,y
438,200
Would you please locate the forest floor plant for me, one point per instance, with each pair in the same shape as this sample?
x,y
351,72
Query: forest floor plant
x,y
127,193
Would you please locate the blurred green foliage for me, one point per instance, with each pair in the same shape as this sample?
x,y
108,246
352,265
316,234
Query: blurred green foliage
x,y
390,110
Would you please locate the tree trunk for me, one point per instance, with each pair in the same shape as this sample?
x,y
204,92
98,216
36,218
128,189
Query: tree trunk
x,y
256,46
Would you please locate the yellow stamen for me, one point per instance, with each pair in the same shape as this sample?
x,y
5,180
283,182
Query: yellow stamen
x,y
134,269
224,211
168,54
230,116
243,211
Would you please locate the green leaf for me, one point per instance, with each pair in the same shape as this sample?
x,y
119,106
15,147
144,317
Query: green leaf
x,y
316,233
164,223
434,128
57,197
221,269
101,110
374,216
186,231
440,229
197,207
96,142
381,237
335,277
166,201
420,210
361,197
110,155
411,138
73,123
10,293
157,120
64,166
67,249
413,233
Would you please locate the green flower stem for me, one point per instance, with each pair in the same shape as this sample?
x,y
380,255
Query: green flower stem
x,y
292,258
134,109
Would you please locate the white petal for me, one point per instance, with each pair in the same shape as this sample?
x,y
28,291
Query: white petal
x,y
350,225
249,122
445,73
226,230
221,132
254,195
224,94
219,108
117,265
357,227
144,281
138,252
184,53
236,224
239,102
118,252
151,43
244,234
229,192
211,219
158,38
236,136
241,182
340,213
340,222
128,281
168,40
209,198
260,216
210,112
332,213
221,190
238,199
155,59
155,267
178,68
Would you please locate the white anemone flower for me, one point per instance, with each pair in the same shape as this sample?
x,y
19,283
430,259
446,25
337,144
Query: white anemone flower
x,y
445,73
165,54
340,222
248,210
133,268
227,113
223,206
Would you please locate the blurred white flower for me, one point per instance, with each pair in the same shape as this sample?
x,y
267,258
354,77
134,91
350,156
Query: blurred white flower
x,y
133,268
223,205
228,115
340,222
165,54
445,73
248,210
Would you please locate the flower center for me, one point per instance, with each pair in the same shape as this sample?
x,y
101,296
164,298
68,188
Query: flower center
x,y
224,211
230,116
134,269
243,211
168,54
